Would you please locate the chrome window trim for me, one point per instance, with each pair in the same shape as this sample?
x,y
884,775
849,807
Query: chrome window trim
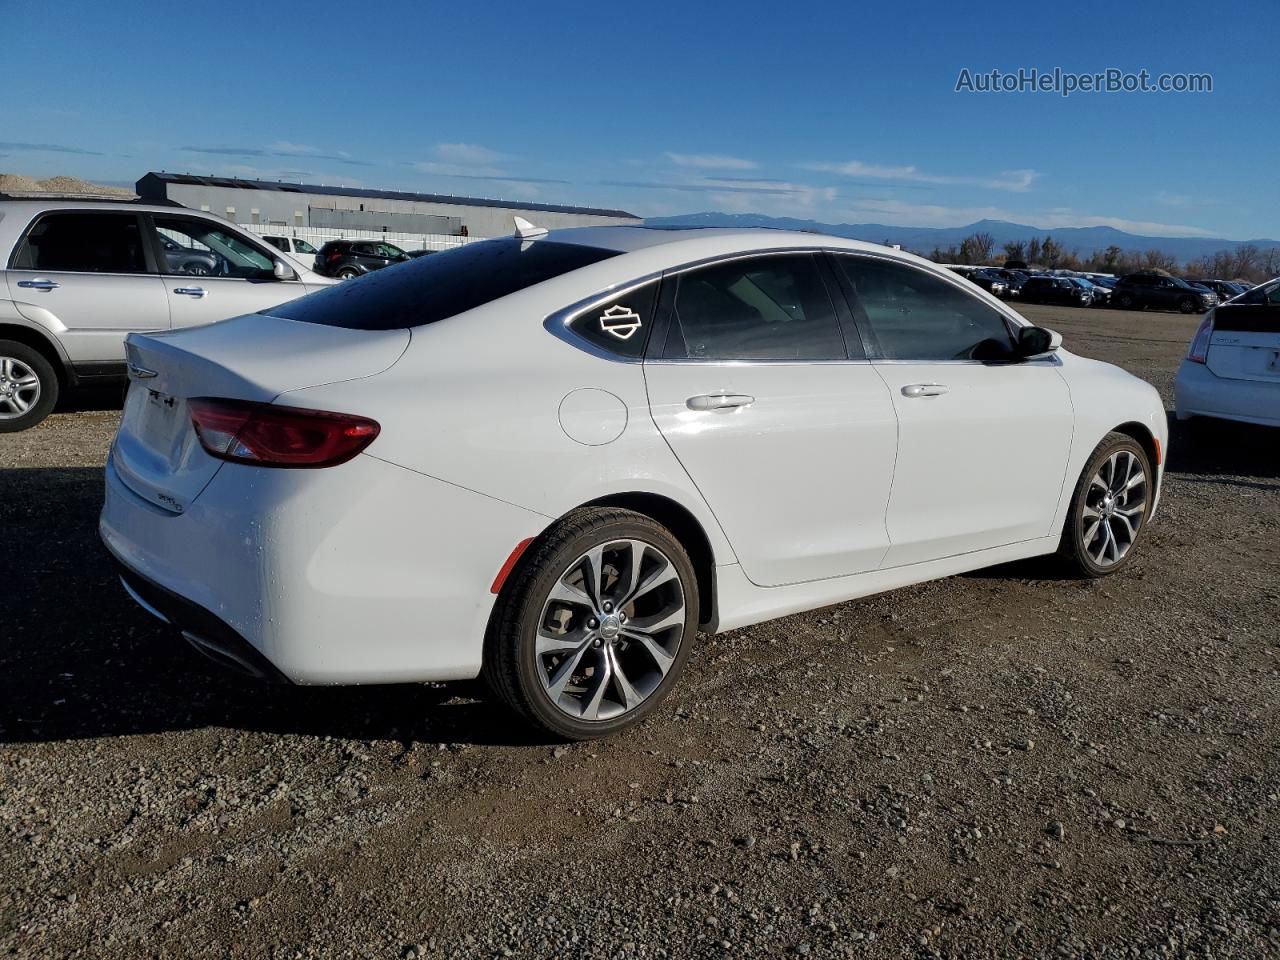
x,y
558,323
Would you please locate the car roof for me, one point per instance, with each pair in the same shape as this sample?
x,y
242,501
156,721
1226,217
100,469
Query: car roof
x,y
34,205
687,245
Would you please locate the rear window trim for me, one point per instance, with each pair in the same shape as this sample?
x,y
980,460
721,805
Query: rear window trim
x,y
559,323
601,254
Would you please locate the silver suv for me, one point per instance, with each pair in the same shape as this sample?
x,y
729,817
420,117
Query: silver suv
x,y
78,275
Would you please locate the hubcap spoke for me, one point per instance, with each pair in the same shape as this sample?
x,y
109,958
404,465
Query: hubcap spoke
x,y
664,574
600,680
19,388
630,697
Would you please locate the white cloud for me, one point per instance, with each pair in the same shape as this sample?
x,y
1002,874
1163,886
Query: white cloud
x,y
1015,181
466,153
711,161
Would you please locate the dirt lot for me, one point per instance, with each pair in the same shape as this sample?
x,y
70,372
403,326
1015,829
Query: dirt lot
x,y
1003,764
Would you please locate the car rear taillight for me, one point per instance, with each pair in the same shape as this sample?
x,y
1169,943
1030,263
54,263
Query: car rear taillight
x,y
1199,352
335,255
271,436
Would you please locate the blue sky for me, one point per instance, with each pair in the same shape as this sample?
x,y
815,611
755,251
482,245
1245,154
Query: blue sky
x,y
838,111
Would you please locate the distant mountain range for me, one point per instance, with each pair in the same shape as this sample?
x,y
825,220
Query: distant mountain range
x,y
1083,240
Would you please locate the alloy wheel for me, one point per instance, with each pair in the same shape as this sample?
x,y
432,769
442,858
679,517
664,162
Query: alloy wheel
x,y
19,388
610,630
1114,508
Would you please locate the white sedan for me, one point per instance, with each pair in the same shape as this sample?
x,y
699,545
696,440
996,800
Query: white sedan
x,y
551,459
1232,370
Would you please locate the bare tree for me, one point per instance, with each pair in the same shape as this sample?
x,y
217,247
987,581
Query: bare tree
x,y
1015,250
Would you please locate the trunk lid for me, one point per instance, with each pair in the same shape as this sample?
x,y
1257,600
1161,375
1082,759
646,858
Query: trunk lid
x,y
1246,342
156,452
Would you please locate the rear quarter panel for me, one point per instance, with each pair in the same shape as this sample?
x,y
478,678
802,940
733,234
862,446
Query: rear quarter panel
x,y
475,401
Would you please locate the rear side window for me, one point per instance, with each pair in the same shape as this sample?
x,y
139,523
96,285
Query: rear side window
x,y
83,243
620,325
759,308
428,289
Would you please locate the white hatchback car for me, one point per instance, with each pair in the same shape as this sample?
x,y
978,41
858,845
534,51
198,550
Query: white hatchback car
x,y
550,459
1232,370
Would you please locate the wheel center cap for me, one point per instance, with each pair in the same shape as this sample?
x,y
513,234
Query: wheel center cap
x,y
610,626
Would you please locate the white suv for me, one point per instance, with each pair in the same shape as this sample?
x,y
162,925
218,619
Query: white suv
x,y
78,275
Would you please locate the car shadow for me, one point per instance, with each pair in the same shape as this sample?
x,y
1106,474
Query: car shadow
x,y
80,660
91,398
1206,448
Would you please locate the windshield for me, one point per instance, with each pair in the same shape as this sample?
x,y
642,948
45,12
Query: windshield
x,y
423,290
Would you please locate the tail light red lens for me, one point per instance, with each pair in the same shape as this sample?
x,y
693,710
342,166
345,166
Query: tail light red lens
x,y
271,436
1199,352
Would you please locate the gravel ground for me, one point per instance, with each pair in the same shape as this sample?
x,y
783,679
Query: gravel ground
x,y
1001,764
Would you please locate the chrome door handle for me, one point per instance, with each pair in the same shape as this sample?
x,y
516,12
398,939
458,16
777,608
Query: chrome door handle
x,y
719,401
38,284
196,292
924,390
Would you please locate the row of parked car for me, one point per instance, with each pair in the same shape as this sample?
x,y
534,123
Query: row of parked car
x,y
344,259
1134,291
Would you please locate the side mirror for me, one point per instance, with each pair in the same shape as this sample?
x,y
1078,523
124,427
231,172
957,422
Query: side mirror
x,y
282,271
1037,342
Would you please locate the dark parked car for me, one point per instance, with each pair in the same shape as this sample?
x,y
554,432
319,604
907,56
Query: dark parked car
x,y
1099,294
182,259
345,259
1059,290
1137,290
990,281
1225,289
1013,279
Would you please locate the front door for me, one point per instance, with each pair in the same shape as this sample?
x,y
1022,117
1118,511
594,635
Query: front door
x,y
982,446
86,276
789,440
213,273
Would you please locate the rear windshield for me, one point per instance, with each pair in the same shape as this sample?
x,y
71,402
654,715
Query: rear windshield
x,y
434,288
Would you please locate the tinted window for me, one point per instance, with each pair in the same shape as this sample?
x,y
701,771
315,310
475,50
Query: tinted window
x,y
914,315
83,242
280,243
762,308
301,246
202,248
427,289
621,324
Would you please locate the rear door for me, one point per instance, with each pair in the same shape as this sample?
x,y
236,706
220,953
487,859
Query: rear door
x,y
982,446
211,272
90,272
1246,337
789,439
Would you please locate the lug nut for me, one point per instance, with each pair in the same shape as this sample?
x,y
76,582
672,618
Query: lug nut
x,y
598,642
593,623
608,607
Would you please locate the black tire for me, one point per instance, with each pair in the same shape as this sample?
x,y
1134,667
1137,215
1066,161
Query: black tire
x,y
520,677
1125,301
347,273
1082,542
1187,305
33,360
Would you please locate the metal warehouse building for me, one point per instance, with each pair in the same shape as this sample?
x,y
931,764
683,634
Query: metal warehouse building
x,y
267,203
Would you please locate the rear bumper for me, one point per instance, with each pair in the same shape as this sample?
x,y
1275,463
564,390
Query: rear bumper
x,y
362,573
200,628
1199,393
